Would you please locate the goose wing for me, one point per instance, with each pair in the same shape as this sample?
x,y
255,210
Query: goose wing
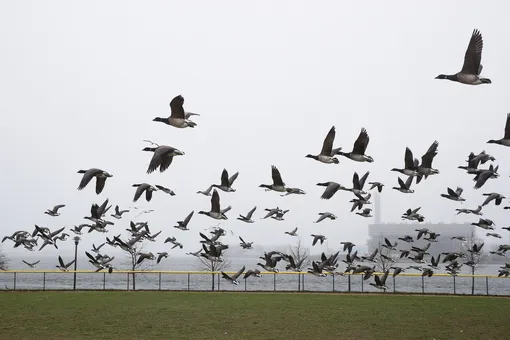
x,y
239,272
188,218
408,159
383,280
507,127
363,180
377,280
250,213
452,193
361,143
409,181
90,256
140,188
224,178
241,239
100,182
401,183
327,145
388,243
215,202
176,107
277,178
232,178
355,181
473,55
428,157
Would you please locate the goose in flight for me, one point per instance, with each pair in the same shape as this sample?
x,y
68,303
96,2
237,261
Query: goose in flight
x,y
293,232
178,117
454,195
377,185
162,255
409,166
144,256
118,213
388,245
252,272
248,216
316,270
497,197
100,176
505,141
206,192
226,182
359,148
141,188
477,211
233,278
380,282
470,73
331,189
162,157
96,249
327,153
64,267
316,238
54,212
31,265
405,187
183,225
295,191
278,184
245,245
215,211
324,215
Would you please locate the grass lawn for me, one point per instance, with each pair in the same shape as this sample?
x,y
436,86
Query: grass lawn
x,y
199,315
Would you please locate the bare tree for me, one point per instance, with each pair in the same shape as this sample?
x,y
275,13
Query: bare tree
x,y
131,259
474,259
4,260
300,252
213,266
385,257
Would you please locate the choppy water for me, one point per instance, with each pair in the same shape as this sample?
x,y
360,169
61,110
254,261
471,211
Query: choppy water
x,y
268,282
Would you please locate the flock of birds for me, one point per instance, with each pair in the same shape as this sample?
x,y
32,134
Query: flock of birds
x,y
212,249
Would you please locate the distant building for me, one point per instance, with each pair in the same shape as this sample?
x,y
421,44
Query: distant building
x,y
393,231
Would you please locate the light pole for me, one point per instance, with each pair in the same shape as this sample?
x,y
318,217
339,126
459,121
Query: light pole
x,y
76,241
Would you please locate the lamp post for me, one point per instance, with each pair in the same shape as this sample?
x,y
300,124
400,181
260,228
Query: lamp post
x,y
76,241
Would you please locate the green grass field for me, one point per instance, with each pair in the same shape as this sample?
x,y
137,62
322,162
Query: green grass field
x,y
199,315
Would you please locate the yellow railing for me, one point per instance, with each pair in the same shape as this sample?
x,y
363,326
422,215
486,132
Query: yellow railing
x,y
183,272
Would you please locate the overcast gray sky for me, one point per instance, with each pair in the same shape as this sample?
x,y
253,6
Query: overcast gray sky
x,y
81,83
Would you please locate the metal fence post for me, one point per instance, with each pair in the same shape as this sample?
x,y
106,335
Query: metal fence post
x,y
362,283
14,280
127,287
394,289
188,282
44,282
454,287
218,281
303,282
244,284
104,280
422,285
333,283
349,282
159,283
274,282
486,284
299,282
